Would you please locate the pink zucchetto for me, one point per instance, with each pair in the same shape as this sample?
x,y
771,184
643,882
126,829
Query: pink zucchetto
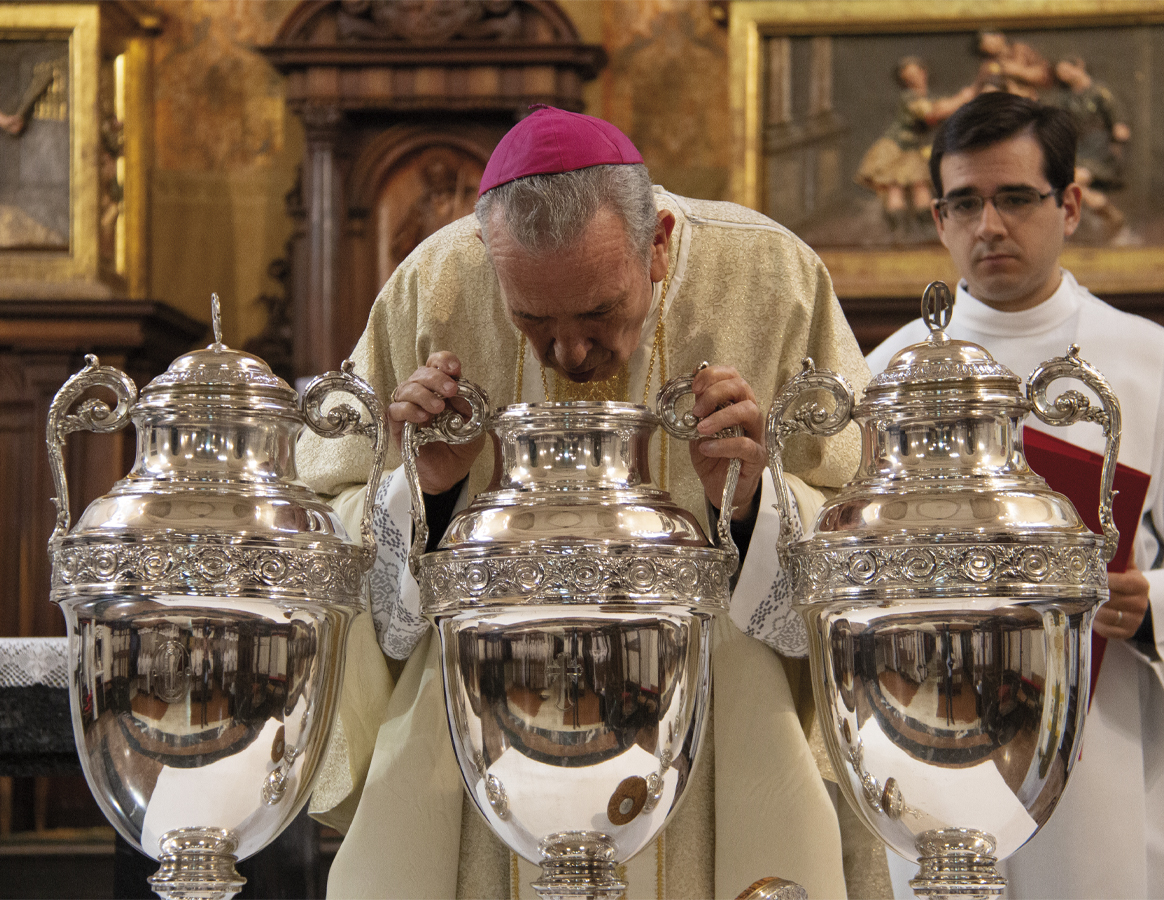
x,y
550,141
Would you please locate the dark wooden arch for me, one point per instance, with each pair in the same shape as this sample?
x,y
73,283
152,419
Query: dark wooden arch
x,y
392,156
388,148
376,81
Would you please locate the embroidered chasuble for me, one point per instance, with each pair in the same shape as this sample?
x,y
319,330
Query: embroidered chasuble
x,y
742,291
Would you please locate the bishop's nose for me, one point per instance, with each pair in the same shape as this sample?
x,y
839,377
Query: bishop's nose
x,y
570,353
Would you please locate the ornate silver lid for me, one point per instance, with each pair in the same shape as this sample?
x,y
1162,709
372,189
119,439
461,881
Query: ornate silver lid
x,y
571,518
941,363
943,502
220,377
213,504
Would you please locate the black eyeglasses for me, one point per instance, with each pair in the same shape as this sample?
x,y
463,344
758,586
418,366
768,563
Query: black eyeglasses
x,y
1011,203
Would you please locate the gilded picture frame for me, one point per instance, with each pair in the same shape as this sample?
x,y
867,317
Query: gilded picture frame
x,y
74,151
765,37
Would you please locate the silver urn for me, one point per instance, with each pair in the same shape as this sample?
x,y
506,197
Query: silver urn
x,y
574,606
207,598
949,596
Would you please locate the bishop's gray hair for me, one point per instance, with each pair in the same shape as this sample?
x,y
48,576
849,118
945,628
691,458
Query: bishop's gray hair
x,y
546,213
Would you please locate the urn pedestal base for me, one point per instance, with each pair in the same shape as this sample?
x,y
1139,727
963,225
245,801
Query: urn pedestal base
x,y
957,863
578,865
197,864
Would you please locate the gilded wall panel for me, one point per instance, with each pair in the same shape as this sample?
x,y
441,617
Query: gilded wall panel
x,y
226,150
219,103
667,87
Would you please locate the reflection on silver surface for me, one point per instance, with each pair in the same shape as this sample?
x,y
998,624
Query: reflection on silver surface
x,y
256,704
589,720
207,598
574,605
947,719
949,596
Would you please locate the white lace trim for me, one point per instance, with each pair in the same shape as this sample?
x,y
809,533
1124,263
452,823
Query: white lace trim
x,y
395,598
774,620
25,662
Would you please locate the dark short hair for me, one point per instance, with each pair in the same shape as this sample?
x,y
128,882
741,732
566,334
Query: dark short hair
x,y
996,116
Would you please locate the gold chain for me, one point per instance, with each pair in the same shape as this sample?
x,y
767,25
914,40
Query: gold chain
x,y
656,349
614,388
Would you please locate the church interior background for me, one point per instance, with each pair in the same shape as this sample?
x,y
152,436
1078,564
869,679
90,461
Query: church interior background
x,y
287,155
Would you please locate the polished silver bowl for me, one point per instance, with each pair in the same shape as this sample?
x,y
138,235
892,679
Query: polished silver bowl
x,y
207,598
577,725
202,718
953,733
574,605
949,596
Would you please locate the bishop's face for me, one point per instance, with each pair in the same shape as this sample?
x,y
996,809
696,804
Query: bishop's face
x,y
582,308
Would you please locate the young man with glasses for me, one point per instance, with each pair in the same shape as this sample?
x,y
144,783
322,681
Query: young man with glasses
x,y
1003,168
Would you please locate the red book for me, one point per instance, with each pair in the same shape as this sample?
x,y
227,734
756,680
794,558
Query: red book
x,y
1075,473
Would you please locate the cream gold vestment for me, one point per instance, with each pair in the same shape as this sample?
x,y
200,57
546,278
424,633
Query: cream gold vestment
x,y
743,291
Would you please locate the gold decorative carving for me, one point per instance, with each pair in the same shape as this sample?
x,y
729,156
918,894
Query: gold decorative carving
x,y
422,22
74,141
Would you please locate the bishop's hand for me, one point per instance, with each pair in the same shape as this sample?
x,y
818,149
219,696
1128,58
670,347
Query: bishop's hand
x,y
723,399
420,399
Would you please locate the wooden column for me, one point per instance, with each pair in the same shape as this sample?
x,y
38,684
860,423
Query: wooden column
x,y
317,338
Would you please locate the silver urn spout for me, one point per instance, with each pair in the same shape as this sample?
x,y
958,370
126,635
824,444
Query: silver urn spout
x,y
949,596
574,606
207,598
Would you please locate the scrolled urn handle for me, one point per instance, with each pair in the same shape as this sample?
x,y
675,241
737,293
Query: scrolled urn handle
x,y
92,415
1071,407
450,427
343,420
794,411
682,426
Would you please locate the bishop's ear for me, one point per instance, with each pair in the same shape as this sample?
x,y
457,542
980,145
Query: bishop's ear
x,y
661,244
